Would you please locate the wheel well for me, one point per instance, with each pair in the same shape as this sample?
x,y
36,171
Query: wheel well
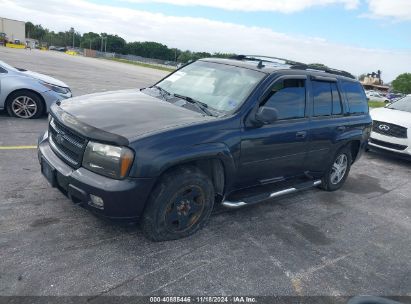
x,y
213,168
32,91
355,148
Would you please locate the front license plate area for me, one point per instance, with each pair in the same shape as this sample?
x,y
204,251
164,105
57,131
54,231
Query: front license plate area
x,y
49,172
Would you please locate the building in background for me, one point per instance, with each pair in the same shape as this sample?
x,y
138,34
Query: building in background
x,y
13,29
373,81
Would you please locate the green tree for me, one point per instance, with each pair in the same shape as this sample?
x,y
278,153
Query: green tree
x,y
402,84
91,40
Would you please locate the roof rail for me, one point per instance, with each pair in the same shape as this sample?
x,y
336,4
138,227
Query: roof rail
x,y
291,64
313,67
261,59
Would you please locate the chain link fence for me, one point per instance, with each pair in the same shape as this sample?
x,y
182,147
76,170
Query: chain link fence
x,y
133,58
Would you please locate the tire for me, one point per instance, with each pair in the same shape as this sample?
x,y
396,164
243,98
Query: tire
x,y
333,180
24,104
180,205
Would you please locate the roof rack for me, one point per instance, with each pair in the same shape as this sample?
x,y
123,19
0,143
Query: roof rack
x,y
291,64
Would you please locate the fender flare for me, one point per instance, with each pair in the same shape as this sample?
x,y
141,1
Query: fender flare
x,y
204,151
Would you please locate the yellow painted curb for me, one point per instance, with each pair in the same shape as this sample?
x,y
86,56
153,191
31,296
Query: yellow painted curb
x,y
17,147
15,46
72,53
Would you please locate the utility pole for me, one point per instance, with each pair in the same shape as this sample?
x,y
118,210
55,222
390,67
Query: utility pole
x,y
105,45
72,30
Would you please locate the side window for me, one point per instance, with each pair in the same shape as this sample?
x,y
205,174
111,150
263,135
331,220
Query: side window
x,y
357,100
322,97
337,108
288,97
2,71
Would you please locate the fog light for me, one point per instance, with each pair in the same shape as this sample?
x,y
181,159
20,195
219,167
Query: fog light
x,y
96,201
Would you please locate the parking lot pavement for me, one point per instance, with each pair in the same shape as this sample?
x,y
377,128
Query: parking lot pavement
x,y
353,241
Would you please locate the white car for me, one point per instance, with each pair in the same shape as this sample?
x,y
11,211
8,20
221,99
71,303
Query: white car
x,y
375,96
391,129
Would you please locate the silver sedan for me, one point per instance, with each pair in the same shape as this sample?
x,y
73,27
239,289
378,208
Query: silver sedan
x,y
27,94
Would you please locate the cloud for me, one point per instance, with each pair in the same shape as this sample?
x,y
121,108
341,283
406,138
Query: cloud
x,y
202,34
288,6
398,9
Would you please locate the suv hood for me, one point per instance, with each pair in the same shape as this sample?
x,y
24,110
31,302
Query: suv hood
x,y
129,114
44,78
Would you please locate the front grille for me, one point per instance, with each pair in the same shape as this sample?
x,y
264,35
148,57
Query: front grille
x,y
388,129
388,145
67,144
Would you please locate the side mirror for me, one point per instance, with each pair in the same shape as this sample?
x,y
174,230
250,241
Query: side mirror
x,y
266,115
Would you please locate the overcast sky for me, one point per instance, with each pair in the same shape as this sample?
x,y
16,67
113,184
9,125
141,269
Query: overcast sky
x,y
356,35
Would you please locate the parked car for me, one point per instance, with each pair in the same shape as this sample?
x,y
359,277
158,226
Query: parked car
x,y
374,96
394,96
27,94
392,128
218,131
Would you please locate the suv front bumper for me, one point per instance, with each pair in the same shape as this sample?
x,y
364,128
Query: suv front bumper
x,y
123,199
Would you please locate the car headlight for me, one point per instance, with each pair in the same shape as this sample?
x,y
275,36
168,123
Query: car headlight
x,y
107,160
57,89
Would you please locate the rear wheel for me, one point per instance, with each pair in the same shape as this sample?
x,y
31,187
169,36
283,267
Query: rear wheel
x,y
24,104
338,171
179,206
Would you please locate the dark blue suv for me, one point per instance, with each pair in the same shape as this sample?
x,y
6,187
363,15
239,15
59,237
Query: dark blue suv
x,y
217,131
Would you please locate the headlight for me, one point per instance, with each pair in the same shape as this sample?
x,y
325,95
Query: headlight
x,y
111,161
57,89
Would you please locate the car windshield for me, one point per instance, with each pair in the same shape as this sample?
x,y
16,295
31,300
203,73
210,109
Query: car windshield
x,y
6,66
219,86
403,104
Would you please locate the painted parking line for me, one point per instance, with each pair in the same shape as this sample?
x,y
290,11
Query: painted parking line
x,y
17,147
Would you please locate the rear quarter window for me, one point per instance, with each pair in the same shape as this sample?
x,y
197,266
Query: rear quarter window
x,y
357,101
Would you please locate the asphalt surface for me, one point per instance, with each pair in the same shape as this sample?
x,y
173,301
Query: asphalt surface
x,y
350,242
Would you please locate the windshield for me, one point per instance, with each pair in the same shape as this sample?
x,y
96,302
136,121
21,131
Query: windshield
x,y
6,66
221,87
403,104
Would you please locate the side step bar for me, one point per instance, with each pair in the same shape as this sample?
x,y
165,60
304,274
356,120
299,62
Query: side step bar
x,y
262,197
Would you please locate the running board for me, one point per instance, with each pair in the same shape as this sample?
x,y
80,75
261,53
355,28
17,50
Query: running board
x,y
262,197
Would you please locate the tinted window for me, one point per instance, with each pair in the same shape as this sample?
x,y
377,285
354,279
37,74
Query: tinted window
x,y
288,97
322,98
337,108
356,97
2,70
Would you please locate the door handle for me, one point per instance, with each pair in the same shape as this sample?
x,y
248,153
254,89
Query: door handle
x,y
341,128
301,134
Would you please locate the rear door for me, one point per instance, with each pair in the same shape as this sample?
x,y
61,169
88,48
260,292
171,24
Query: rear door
x,y
278,150
327,122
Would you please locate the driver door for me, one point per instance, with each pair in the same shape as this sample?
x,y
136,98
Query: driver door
x,y
277,151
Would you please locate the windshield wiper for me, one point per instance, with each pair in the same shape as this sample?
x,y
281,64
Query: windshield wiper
x,y
201,105
164,93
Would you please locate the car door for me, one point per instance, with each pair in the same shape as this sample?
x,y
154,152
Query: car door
x,y
327,122
277,151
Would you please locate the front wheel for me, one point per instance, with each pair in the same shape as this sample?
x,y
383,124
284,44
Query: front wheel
x,y
24,104
180,205
337,173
